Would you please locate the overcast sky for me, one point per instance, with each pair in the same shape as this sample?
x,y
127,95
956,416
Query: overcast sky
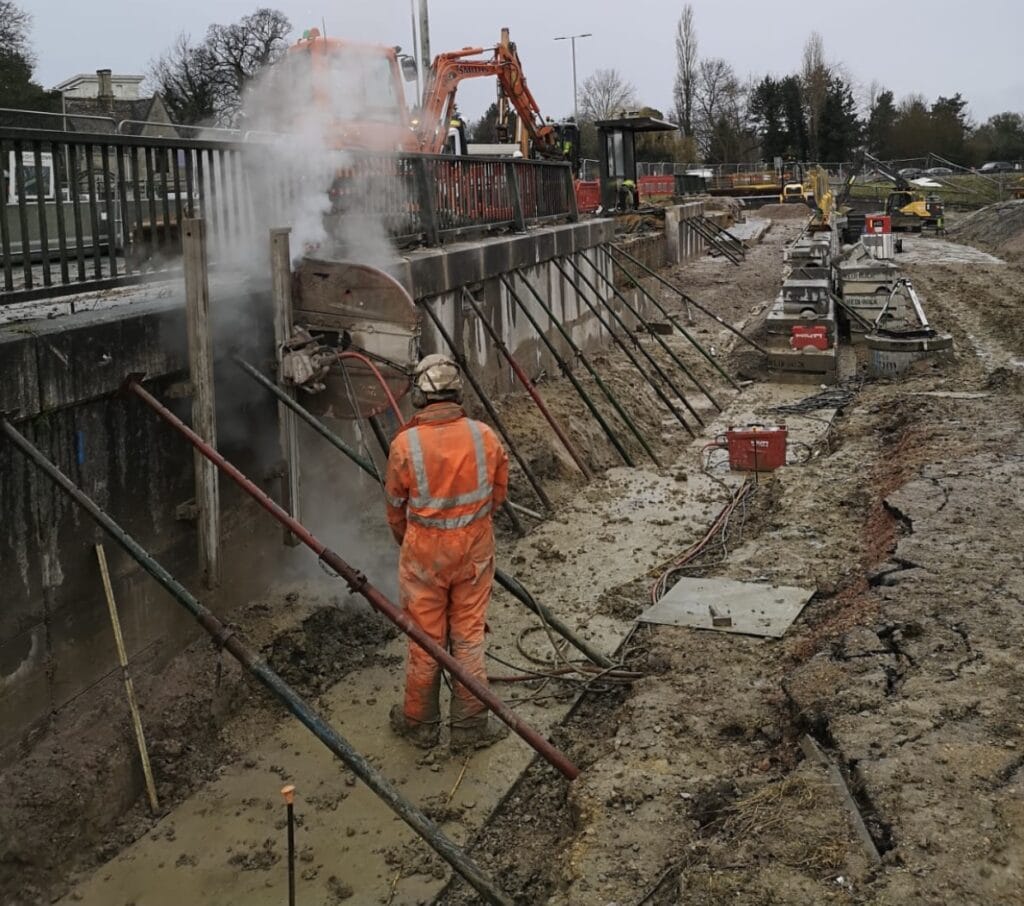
x,y
938,47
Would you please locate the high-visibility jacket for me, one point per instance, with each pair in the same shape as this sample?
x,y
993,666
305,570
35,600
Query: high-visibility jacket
x,y
445,472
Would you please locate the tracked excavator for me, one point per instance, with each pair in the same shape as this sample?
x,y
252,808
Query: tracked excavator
x,y
356,96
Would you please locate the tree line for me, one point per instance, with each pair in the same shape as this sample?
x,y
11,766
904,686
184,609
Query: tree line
x,y
812,113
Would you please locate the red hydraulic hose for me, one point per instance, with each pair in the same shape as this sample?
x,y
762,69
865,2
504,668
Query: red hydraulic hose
x,y
350,354
358,583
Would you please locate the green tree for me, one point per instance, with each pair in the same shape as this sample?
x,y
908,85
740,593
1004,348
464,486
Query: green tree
x,y
881,123
912,131
484,130
1001,138
768,117
950,128
839,126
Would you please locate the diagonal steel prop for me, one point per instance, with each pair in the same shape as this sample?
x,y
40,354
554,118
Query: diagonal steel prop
x,y
680,364
688,298
229,639
671,319
512,585
359,584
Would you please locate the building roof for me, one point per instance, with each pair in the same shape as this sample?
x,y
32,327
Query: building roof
x,y
146,115
638,124
92,77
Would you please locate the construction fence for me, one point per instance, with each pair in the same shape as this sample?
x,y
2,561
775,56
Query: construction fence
x,y
88,211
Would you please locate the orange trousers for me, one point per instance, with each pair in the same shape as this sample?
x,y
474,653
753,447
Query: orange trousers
x,y
445,578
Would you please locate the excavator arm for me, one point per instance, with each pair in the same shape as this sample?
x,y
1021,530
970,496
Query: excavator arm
x,y
450,69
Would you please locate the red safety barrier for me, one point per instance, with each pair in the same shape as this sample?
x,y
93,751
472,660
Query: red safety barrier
x,y
588,195
651,186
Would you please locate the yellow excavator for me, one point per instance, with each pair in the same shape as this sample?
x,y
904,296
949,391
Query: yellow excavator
x,y
909,210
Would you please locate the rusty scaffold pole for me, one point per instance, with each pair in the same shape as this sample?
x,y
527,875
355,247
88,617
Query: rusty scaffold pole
x,y
231,640
359,584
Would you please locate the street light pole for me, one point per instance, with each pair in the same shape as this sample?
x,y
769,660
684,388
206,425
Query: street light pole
x,y
575,91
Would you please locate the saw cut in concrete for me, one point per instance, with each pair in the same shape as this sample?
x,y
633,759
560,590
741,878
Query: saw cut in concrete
x,y
745,608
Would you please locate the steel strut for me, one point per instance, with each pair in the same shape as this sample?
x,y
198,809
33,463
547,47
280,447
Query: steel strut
x,y
531,388
229,639
616,405
689,299
680,364
567,371
624,346
671,319
359,584
512,585
460,359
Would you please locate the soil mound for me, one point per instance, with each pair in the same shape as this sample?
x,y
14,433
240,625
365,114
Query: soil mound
x,y
999,226
791,211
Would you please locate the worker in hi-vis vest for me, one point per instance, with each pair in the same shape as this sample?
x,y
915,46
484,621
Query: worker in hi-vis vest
x,y
446,476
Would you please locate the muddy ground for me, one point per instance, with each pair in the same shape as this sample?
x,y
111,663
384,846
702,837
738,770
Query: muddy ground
x,y
903,667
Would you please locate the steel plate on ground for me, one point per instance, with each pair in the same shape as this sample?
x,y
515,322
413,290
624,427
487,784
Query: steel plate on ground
x,y
747,608
373,312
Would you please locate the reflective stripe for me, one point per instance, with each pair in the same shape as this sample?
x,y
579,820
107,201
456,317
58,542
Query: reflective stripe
x,y
395,501
453,523
484,488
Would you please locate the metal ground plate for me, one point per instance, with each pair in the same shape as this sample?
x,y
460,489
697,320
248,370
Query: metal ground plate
x,y
747,608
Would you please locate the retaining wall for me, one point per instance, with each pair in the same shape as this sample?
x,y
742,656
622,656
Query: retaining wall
x,y
59,379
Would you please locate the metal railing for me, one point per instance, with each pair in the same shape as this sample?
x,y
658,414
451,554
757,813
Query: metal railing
x,y
91,210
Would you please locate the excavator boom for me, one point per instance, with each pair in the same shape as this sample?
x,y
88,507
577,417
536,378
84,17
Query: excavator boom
x,y
449,70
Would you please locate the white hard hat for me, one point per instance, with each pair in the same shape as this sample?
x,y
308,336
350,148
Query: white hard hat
x,y
437,374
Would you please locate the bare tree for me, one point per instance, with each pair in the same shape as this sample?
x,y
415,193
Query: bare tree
x,y
14,26
605,94
814,76
204,83
242,50
186,77
686,69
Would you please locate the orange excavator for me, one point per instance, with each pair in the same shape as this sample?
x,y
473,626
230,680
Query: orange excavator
x,y
358,91
447,72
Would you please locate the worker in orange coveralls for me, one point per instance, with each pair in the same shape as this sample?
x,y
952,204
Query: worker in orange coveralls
x,y
446,475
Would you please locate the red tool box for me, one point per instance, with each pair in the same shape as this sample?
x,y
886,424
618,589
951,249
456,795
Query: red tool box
x,y
756,448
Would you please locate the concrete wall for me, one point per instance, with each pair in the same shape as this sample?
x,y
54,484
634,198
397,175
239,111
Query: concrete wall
x,y
59,379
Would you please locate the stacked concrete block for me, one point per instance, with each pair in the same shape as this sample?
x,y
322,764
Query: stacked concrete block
x,y
805,302
866,286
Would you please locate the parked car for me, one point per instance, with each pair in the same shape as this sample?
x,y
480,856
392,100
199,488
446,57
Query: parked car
x,y
995,166
911,172
938,171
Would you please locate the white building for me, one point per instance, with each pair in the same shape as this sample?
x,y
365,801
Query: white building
x,y
87,85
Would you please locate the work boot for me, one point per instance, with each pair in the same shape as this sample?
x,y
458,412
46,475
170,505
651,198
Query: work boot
x,y
422,735
477,732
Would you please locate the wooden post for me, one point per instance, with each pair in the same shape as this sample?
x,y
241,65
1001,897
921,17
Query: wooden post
x,y
287,424
129,688
204,420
